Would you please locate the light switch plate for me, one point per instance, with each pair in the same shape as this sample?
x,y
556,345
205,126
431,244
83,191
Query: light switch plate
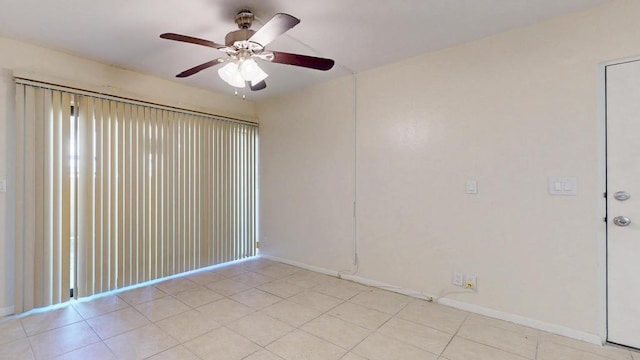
x,y
471,187
3,185
563,186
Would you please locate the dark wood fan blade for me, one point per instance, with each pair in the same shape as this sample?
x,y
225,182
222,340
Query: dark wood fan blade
x,y
197,69
275,27
259,86
191,40
311,62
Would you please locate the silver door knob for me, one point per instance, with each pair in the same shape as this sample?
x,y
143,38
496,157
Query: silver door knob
x,y
622,195
621,221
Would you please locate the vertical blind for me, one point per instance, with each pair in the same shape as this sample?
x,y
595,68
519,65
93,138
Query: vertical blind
x,y
149,191
43,197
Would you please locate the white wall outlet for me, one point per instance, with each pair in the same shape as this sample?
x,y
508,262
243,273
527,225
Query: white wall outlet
x,y
3,185
471,282
457,279
471,187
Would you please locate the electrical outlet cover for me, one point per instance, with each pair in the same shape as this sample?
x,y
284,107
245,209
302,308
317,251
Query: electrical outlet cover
x,y
458,279
471,282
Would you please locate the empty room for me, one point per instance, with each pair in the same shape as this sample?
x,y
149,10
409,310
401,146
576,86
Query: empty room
x,y
301,180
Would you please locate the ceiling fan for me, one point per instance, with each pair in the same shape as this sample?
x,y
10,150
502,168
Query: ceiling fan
x,y
244,45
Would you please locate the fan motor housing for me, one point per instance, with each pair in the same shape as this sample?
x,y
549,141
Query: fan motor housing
x,y
238,35
244,19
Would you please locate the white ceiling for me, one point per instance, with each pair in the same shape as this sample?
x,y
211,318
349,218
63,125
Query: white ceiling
x,y
357,34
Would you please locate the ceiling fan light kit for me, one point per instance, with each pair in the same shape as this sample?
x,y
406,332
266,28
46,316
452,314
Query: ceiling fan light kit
x,y
237,74
244,45
250,71
231,75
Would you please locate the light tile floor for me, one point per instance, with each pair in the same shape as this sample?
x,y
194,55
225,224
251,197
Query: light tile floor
x,y
264,310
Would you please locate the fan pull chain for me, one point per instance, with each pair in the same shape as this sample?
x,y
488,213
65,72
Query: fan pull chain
x,y
244,95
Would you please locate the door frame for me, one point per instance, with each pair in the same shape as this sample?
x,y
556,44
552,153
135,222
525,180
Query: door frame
x,y
602,200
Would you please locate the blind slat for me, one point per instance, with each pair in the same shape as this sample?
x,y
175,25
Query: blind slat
x,y
63,262
104,271
119,195
153,198
127,199
31,172
43,194
19,270
96,265
63,251
53,255
85,234
172,145
140,202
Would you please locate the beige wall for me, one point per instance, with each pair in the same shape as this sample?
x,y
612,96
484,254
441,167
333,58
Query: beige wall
x,y
69,70
509,111
306,175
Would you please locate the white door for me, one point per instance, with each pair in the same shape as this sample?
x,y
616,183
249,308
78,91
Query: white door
x,y
623,216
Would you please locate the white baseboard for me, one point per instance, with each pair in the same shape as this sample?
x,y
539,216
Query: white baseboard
x,y
389,287
301,265
477,309
6,311
521,320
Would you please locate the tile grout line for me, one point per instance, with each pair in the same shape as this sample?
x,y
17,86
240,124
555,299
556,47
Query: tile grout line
x,y
494,347
497,348
151,322
299,327
376,329
326,312
294,328
454,335
428,326
26,337
108,348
